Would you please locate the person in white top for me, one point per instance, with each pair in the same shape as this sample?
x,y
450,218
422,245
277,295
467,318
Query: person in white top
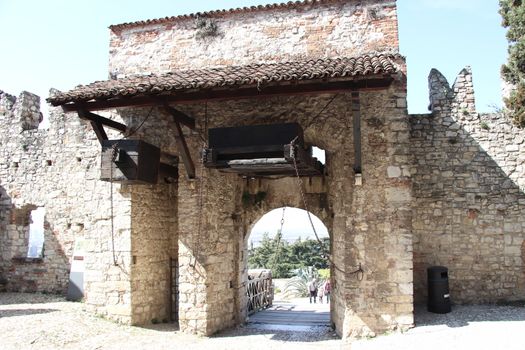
x,y
320,293
312,288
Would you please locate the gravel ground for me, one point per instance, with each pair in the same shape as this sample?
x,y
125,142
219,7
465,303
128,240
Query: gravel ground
x,y
32,321
476,327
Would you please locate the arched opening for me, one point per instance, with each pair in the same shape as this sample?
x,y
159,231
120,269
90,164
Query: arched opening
x,y
292,246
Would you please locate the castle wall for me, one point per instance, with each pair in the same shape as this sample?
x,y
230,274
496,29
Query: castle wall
x,y
58,169
212,222
469,196
203,222
29,159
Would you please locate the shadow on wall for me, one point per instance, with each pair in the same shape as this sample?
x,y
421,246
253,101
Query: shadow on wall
x,y
5,205
469,203
18,272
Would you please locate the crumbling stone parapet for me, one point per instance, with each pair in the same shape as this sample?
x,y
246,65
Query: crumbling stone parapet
x,y
26,111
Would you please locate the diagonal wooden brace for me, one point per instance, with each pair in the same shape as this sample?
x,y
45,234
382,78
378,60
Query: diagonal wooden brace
x,y
98,122
182,146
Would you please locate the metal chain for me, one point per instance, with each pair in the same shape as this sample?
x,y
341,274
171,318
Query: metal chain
x,y
279,236
113,157
128,133
359,272
321,111
202,188
282,220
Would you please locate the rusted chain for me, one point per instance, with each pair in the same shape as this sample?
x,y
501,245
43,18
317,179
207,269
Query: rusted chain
x,y
359,272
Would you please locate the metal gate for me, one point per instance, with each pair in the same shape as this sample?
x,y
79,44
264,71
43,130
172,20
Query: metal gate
x,y
259,290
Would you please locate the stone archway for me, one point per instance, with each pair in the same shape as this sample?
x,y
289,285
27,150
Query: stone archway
x,y
286,219
276,194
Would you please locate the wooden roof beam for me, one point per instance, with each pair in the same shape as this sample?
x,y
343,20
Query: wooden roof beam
x,y
251,92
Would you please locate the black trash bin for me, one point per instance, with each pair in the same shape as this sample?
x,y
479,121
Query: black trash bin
x,y
438,292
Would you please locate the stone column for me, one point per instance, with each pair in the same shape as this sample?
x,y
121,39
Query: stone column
x,y
153,219
379,236
207,254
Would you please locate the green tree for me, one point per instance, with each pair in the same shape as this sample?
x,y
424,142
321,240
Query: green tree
x,y
283,258
258,258
310,253
513,14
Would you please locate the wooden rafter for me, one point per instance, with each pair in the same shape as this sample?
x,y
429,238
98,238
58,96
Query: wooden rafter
x,y
250,92
181,118
98,122
98,128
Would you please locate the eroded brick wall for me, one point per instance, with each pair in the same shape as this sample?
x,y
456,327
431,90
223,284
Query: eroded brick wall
x,y
329,29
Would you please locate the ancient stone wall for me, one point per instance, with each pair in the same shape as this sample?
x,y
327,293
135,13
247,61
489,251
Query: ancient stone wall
x,y
203,223
58,169
327,29
29,159
469,201
212,220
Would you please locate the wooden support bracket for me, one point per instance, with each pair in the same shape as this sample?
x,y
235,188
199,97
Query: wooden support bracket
x,y
98,122
180,117
184,151
356,117
83,114
98,128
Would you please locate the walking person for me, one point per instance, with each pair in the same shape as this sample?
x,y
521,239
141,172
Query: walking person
x,y
312,288
320,293
327,287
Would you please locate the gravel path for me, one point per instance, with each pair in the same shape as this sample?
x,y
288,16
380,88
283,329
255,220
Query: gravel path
x,y
32,321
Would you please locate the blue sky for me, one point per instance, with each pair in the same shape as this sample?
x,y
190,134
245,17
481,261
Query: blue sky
x,y
63,43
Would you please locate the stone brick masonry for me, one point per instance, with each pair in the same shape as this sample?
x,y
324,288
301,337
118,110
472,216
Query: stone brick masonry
x,y
469,196
444,188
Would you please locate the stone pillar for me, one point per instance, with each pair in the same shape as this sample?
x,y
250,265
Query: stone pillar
x,y
207,253
378,227
107,278
153,224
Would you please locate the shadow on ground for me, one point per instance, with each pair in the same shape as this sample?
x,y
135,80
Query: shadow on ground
x,y
24,312
162,327
462,315
286,333
13,298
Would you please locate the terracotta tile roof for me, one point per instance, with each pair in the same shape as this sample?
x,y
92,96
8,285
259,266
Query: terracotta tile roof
x,y
215,13
231,76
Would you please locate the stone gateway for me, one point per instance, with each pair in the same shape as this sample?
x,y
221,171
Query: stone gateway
x,y
164,233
